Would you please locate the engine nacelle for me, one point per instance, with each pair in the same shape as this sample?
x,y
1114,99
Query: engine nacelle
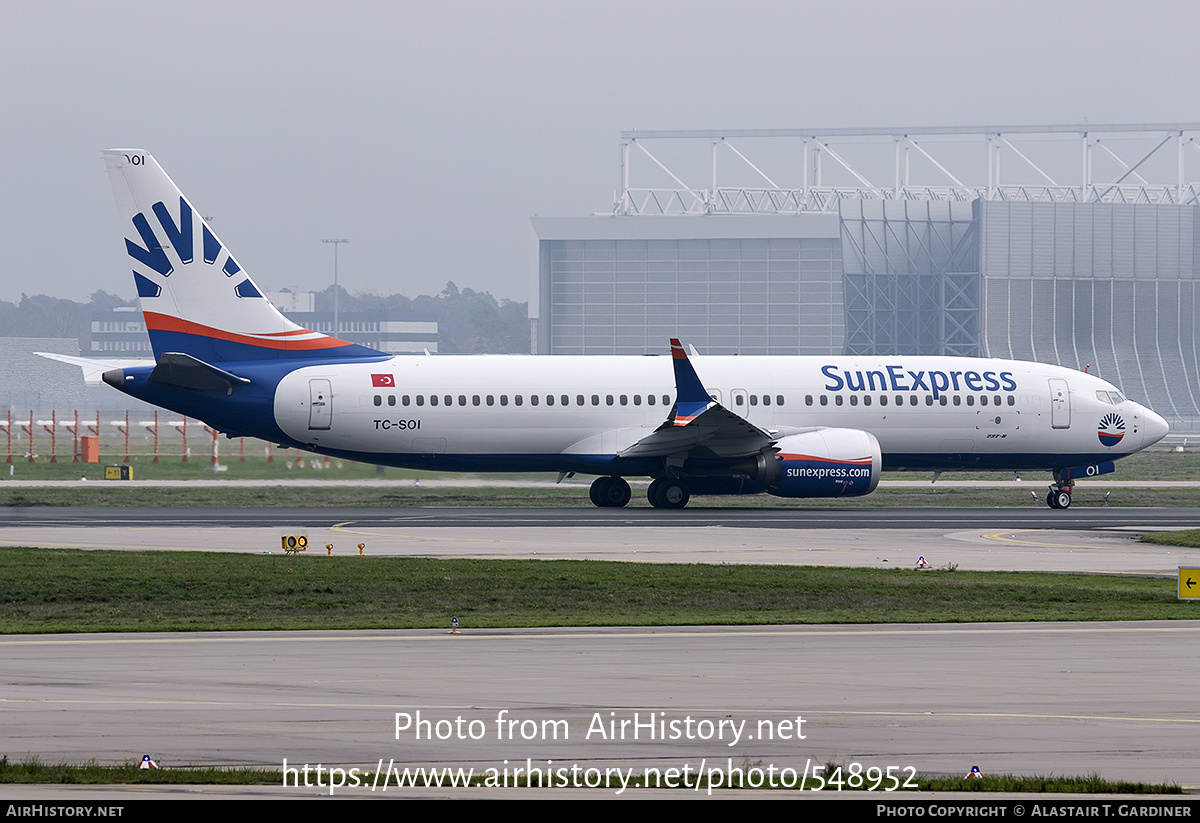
x,y
824,463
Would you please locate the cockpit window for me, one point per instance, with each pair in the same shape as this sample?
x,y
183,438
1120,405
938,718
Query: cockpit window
x,y
1103,397
1117,397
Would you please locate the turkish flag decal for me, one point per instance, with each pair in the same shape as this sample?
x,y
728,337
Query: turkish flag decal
x,y
386,381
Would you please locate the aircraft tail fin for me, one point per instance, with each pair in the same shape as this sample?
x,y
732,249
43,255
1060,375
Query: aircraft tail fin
x,y
195,298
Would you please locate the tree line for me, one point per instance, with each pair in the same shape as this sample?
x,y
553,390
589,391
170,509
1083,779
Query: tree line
x,y
468,321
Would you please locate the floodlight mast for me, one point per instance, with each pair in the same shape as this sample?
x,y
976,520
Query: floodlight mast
x,y
336,243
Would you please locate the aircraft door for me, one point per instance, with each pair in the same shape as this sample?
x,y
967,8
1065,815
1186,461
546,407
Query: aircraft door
x,y
1060,404
320,404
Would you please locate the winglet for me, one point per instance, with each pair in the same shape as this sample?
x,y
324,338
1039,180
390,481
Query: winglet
x,y
691,398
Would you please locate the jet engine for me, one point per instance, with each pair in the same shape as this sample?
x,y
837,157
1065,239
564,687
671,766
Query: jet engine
x,y
821,463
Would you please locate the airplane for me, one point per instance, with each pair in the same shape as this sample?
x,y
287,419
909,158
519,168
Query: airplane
x,y
806,426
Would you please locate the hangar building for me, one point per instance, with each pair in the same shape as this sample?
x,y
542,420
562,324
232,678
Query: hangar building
x,y
1083,252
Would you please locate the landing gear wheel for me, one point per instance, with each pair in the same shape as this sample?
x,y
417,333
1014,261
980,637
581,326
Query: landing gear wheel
x,y
668,494
610,492
1058,499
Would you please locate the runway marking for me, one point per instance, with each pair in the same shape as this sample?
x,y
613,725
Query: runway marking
x,y
999,537
143,702
901,629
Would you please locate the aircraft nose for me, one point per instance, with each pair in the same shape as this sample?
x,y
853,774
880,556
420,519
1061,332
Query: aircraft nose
x,y
1154,427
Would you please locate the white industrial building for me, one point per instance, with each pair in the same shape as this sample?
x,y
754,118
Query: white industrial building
x,y
1070,244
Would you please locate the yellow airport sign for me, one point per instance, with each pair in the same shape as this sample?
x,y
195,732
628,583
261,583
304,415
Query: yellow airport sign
x,y
1189,583
294,543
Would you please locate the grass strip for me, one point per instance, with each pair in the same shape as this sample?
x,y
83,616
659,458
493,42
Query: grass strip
x,y
1184,537
69,590
1153,464
838,779
34,771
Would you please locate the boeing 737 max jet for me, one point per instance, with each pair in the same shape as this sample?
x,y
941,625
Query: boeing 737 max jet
x,y
789,426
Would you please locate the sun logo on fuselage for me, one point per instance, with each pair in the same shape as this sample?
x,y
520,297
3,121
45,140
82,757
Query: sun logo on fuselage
x,y
1112,429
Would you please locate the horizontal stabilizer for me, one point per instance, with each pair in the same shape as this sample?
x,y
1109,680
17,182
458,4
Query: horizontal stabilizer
x,y
94,369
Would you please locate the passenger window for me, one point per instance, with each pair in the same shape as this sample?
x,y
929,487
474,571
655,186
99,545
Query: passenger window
x,y
1012,401
449,400
462,400
808,399
504,400
779,400
404,400
420,400
983,400
824,400
433,399
595,400
549,400
624,400
957,400
637,400
491,399
912,400
566,401
737,400
378,400
608,399
666,400
837,400
650,399
970,400
474,400
517,400
754,400
579,400
866,399
943,400
883,399
996,400
766,399
854,400
533,399
391,399
929,400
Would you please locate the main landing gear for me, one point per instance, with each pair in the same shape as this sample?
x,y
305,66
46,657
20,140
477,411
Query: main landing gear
x,y
666,493
1059,497
614,492
610,492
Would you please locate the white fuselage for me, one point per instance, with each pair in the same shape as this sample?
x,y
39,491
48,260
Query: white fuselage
x,y
925,411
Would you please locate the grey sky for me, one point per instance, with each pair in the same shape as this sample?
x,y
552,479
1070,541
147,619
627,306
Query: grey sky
x,y
428,133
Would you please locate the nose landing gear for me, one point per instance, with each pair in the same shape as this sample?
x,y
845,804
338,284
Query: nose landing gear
x,y
1059,497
